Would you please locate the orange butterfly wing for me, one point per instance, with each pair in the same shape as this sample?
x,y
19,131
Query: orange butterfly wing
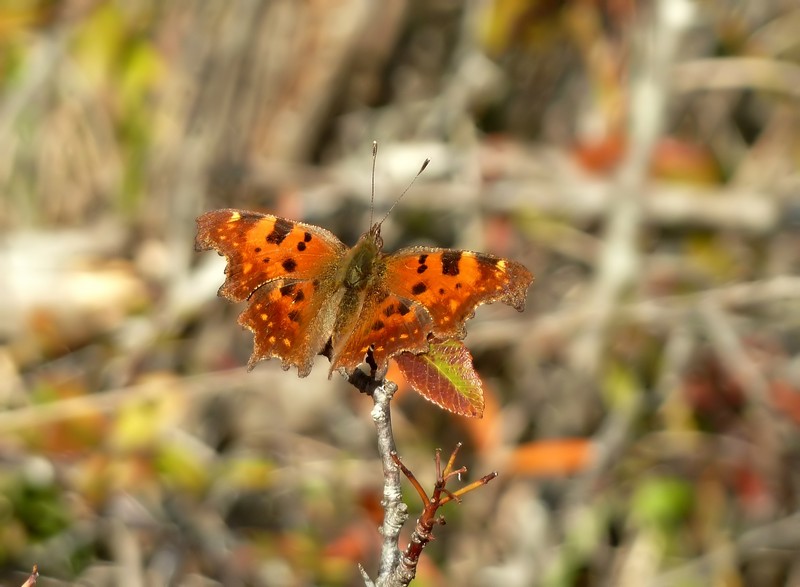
x,y
450,284
287,272
388,324
423,291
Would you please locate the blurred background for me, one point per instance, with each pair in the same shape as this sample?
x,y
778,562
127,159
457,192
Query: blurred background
x,y
641,158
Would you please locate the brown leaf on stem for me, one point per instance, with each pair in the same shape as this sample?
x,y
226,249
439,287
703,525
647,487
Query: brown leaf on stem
x,y
445,376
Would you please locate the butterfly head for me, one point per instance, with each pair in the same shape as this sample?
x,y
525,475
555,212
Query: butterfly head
x,y
374,234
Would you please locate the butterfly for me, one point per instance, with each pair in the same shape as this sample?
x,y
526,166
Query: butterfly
x,y
308,293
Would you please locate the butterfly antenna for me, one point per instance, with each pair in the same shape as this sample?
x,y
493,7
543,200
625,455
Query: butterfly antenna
x,y
421,169
372,197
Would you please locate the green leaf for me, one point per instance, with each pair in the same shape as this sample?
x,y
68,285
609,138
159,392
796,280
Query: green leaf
x,y
445,376
662,502
182,468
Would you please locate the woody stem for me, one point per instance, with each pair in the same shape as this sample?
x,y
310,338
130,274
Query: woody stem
x,y
395,511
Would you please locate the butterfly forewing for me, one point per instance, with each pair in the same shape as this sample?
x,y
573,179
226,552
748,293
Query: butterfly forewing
x,y
450,284
261,248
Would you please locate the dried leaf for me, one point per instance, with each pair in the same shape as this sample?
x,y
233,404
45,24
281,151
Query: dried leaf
x,y
600,156
355,543
445,376
551,457
685,162
786,399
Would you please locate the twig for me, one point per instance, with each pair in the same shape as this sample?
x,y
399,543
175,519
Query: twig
x,y
423,532
556,190
620,258
738,73
109,401
32,579
398,570
733,357
395,511
657,312
127,553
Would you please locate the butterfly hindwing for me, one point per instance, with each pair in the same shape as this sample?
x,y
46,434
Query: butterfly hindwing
x,y
387,325
288,321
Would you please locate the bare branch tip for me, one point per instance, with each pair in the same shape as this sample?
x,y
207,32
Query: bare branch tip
x,y
367,581
458,472
451,495
452,460
32,579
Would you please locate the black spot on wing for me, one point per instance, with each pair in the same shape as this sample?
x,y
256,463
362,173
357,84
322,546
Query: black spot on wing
x,y
258,249
280,231
419,288
289,265
299,296
422,269
287,290
294,315
450,261
485,259
307,237
378,325
389,310
301,246
265,260
402,309
422,259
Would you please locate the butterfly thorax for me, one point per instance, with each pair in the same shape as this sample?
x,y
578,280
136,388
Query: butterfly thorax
x,y
359,277
358,267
